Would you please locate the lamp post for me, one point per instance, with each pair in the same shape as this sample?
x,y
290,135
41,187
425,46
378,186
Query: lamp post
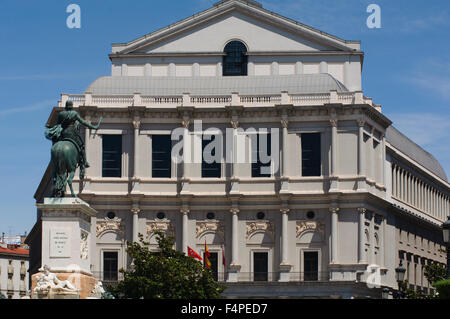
x,y
385,293
400,274
446,233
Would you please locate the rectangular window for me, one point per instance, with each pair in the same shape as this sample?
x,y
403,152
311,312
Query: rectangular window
x,y
161,156
110,266
112,156
311,265
210,170
260,266
311,154
260,168
213,257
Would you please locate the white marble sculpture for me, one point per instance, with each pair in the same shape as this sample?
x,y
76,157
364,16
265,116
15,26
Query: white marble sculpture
x,y
97,291
49,282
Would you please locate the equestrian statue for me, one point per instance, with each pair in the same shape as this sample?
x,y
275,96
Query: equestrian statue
x,y
68,151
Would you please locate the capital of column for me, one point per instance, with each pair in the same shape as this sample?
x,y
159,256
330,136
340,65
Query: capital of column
x,y
235,123
136,124
334,122
362,210
234,211
135,210
284,123
361,122
334,209
184,211
285,210
186,122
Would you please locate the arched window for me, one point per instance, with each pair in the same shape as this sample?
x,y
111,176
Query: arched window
x,y
235,59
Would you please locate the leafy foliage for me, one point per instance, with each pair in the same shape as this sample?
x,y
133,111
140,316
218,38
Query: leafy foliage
x,y
435,272
166,274
443,288
2,296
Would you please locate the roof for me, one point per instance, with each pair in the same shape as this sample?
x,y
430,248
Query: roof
x,y
15,251
414,151
244,85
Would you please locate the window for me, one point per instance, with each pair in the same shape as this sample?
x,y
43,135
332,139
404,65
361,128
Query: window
x,y
210,215
110,266
235,59
260,162
311,157
210,170
311,265
161,215
260,215
260,266
161,156
214,265
112,156
310,215
111,215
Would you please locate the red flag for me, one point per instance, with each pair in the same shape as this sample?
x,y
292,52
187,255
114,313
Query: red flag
x,y
223,257
193,254
207,254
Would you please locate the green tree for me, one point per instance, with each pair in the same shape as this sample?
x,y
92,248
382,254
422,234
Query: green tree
x,y
435,272
165,274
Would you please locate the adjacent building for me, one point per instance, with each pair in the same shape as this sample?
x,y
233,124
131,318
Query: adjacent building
x,y
14,276
311,190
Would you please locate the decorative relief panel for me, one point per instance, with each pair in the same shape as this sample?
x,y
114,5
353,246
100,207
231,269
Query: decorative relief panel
x,y
303,226
164,226
116,225
259,226
84,248
214,226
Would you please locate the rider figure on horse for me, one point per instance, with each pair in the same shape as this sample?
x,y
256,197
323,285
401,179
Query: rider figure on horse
x,y
67,129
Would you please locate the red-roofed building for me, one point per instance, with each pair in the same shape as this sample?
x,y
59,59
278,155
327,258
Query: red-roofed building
x,y
14,276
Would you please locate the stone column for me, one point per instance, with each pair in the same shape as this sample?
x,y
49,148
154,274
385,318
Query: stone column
x,y
334,146
361,156
285,150
234,266
186,156
285,267
184,229
372,239
234,165
334,234
136,125
135,210
362,237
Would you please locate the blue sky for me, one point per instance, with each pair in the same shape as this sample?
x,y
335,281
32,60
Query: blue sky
x,y
406,70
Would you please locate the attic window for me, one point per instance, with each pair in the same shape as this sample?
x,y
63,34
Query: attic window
x,y
235,59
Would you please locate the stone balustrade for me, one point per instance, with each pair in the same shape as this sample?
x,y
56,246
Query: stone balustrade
x,y
267,100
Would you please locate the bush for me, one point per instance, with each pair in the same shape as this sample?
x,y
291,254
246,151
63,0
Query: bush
x,y
443,288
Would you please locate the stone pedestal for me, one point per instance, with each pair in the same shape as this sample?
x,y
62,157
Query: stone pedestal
x,y
66,237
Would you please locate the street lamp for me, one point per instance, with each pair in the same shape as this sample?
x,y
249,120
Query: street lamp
x,y
385,293
400,274
446,234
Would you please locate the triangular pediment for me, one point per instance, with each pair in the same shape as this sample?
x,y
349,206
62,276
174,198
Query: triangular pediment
x,y
259,29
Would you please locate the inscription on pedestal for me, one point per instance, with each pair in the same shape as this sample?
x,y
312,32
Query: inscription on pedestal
x,y
60,243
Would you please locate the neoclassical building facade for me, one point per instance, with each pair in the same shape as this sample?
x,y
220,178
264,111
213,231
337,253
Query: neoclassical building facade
x,y
312,192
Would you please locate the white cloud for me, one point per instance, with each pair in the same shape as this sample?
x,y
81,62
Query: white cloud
x,y
32,107
432,75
